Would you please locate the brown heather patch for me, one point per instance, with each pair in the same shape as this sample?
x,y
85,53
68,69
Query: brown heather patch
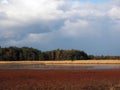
x,y
59,79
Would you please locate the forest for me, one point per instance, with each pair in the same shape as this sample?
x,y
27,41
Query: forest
x,y
31,54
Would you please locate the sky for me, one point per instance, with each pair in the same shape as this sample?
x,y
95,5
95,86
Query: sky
x,y
89,25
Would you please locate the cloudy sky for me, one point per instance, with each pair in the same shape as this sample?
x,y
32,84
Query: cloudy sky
x,y
89,25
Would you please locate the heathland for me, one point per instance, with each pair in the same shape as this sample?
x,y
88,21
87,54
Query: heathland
x,y
60,79
40,79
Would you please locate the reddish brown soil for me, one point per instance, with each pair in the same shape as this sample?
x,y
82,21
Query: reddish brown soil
x,y
59,79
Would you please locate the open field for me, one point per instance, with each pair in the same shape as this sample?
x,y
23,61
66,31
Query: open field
x,y
70,79
59,79
76,62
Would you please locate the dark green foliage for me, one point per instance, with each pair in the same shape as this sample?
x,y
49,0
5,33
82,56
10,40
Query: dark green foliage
x,y
66,55
15,53
104,57
26,53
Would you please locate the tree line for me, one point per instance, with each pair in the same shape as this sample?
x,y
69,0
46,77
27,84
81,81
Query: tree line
x,y
26,53
31,54
102,57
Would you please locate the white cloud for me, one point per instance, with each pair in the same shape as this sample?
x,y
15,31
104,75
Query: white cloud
x,y
45,22
28,10
74,29
4,2
115,13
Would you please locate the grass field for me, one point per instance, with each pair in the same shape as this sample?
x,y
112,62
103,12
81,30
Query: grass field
x,y
76,62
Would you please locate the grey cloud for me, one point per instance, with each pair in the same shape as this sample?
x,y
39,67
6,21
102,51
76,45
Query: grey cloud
x,y
3,16
80,25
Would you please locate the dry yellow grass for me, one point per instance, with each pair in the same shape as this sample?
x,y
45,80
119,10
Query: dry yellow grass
x,y
76,62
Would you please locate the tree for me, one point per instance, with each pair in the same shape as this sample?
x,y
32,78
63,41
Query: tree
x,y
26,53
